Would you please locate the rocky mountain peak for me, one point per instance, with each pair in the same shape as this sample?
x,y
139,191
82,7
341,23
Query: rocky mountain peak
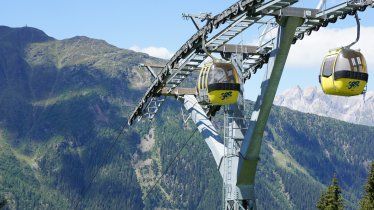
x,y
356,109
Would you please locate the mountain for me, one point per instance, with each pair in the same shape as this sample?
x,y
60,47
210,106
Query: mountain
x,y
355,109
64,102
60,105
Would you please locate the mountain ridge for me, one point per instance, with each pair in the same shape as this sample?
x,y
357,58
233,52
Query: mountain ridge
x,y
355,109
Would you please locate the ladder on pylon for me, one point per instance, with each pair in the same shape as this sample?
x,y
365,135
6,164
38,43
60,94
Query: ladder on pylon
x,y
232,126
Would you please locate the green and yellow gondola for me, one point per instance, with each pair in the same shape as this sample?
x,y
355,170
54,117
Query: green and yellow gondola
x,y
343,72
218,83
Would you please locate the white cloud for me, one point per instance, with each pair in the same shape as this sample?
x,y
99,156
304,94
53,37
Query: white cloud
x,y
309,52
159,52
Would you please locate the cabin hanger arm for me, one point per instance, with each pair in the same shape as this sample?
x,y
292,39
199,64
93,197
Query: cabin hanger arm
x,y
358,31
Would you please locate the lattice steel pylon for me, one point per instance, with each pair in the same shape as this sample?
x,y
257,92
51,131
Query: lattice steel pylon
x,y
237,153
234,128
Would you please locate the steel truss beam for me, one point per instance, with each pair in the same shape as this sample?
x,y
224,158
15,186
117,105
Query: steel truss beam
x,y
242,14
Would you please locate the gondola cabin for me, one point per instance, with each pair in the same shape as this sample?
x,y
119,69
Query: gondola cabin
x,y
218,83
343,72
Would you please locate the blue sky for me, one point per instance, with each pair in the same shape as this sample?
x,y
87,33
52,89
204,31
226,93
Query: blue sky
x,y
158,25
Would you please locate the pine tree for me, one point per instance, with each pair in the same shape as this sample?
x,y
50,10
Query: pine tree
x,y
367,202
331,199
322,203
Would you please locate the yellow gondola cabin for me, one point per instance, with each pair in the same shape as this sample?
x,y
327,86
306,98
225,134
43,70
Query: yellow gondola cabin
x,y
218,83
343,72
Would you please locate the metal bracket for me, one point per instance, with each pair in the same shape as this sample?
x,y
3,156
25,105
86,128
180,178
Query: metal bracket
x,y
150,69
202,17
237,61
185,117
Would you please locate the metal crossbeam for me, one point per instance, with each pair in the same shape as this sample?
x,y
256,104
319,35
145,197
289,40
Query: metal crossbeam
x,y
330,15
244,21
179,92
235,28
242,49
337,10
317,19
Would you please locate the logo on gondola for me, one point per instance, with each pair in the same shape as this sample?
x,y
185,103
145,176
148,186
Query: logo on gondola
x,y
226,95
353,84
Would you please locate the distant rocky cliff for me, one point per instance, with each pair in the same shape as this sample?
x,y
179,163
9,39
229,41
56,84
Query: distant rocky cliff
x,y
356,109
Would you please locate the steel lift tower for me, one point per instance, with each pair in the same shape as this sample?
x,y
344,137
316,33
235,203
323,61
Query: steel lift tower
x,y
237,153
